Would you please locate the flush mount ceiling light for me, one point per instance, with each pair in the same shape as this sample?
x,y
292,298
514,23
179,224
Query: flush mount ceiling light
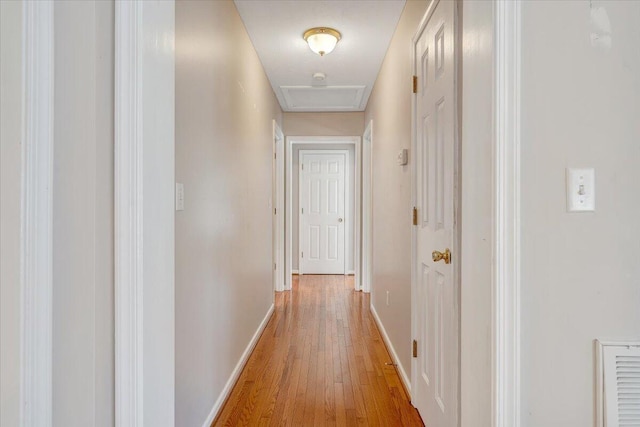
x,y
322,40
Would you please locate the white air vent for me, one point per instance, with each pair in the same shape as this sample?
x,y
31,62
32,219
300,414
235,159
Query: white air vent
x,y
619,384
323,98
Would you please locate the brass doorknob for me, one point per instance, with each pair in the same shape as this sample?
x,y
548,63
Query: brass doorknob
x,y
439,256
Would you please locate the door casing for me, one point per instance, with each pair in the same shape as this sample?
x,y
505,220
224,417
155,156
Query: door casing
x,y
291,141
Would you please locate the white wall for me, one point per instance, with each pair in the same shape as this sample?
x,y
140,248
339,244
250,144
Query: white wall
x,y
83,361
224,112
349,205
390,109
10,165
580,272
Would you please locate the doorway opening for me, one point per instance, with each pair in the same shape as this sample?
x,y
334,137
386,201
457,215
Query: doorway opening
x,y
352,218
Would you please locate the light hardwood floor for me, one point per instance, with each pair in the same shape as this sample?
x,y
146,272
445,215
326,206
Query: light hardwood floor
x,y
320,361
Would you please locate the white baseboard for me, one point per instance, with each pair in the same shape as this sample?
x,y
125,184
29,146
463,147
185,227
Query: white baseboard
x,y
348,273
394,356
226,391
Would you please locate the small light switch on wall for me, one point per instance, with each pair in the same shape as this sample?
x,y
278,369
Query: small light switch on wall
x,y
179,196
403,157
581,190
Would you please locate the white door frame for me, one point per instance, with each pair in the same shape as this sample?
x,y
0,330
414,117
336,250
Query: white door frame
x,y
290,142
36,258
506,214
505,193
278,207
347,195
366,260
144,213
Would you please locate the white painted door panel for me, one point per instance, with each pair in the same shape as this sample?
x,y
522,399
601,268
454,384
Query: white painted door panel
x,y
436,390
322,212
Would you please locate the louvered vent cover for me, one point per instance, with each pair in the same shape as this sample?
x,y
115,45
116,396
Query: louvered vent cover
x,y
621,386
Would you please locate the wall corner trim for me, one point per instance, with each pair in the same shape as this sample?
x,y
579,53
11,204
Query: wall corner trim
x,y
506,215
235,374
36,275
392,351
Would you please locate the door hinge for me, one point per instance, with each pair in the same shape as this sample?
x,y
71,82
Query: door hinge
x,y
303,211
275,211
275,267
302,166
415,348
415,84
415,216
301,254
275,155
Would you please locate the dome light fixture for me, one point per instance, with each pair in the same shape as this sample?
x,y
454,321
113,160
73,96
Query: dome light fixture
x,y
322,40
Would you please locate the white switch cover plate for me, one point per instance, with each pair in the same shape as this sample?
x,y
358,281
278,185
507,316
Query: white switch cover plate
x,y
581,190
403,157
179,196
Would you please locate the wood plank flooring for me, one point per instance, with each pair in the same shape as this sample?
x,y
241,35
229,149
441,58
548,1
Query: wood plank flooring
x,y
320,362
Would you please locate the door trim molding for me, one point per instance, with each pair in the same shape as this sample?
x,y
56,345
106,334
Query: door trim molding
x,y
144,212
290,142
36,389
129,192
506,205
347,195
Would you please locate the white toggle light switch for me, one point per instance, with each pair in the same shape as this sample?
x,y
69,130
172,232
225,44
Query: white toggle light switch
x,y
581,190
179,196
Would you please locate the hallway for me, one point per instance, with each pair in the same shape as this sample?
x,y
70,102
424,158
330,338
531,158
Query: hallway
x,y
320,361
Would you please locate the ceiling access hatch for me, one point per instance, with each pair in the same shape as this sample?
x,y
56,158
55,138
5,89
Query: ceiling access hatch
x,y
323,98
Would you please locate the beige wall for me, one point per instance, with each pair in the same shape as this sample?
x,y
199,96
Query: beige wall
x,y
580,272
390,109
224,112
83,323
10,160
323,124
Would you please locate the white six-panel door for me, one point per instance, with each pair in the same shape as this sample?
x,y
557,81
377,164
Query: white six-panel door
x,y
435,393
322,211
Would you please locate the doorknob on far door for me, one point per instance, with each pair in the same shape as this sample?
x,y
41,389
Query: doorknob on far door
x,y
339,219
439,256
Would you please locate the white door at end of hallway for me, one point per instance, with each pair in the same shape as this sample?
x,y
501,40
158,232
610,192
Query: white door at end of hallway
x,y
322,211
435,393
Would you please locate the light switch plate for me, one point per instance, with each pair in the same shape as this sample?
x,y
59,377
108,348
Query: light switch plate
x,y
179,196
403,157
581,190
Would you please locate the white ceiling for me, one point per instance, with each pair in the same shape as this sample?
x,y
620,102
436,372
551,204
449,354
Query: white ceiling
x,y
276,29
